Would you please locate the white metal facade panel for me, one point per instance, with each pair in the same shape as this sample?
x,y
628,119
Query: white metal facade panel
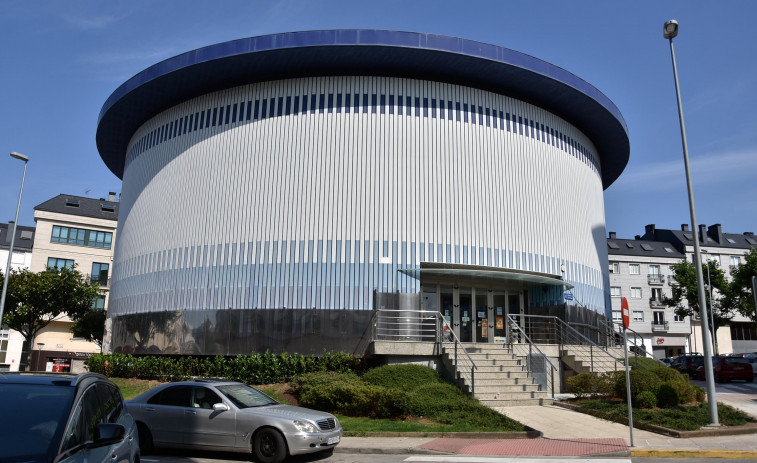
x,y
318,208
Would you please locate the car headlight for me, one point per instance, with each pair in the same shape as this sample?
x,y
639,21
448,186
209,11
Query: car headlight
x,y
304,426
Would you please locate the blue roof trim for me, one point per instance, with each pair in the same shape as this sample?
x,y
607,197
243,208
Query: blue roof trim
x,y
367,52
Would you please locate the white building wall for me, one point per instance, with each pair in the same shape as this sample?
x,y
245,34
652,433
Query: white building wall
x,y
318,209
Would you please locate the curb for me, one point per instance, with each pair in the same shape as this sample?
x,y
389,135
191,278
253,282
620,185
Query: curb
x,y
712,432
532,434
725,454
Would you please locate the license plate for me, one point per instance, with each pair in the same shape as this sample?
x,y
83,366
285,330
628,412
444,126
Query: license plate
x,y
333,440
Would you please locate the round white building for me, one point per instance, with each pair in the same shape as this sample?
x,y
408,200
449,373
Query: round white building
x,y
279,189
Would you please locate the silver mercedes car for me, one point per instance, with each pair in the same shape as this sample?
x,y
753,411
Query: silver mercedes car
x,y
230,416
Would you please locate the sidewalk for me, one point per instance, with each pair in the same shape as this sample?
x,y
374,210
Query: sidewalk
x,y
565,433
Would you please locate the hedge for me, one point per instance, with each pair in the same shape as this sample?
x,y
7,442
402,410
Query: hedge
x,y
256,368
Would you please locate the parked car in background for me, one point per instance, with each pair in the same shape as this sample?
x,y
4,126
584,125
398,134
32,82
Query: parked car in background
x,y
751,358
64,418
727,368
688,363
667,361
230,416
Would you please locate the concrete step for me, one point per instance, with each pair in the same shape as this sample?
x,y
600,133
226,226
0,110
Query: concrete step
x,y
504,381
505,388
501,375
497,403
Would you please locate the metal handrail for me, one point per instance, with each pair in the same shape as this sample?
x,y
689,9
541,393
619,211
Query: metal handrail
x,y
531,346
457,342
588,342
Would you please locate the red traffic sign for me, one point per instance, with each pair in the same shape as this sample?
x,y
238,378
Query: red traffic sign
x,y
626,313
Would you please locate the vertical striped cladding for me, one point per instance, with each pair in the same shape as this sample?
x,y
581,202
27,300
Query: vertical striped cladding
x,y
227,206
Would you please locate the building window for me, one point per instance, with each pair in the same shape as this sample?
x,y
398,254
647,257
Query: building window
x,y
636,293
616,316
81,237
98,303
657,294
735,261
3,350
678,318
614,267
634,269
615,291
638,316
100,273
58,263
659,317
18,258
741,331
654,269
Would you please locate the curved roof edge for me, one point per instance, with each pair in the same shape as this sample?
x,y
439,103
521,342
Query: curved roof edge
x,y
363,52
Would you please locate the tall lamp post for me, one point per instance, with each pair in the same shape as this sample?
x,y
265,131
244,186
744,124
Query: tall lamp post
x,y
670,30
20,157
712,314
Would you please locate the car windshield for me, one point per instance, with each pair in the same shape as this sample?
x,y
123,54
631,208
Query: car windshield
x,y
244,396
734,360
33,418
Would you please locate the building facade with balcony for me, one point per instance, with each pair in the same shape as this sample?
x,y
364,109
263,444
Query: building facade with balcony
x,y
274,185
72,231
727,249
640,270
11,341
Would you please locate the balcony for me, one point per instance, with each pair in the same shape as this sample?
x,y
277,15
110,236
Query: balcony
x,y
656,303
660,327
656,279
102,280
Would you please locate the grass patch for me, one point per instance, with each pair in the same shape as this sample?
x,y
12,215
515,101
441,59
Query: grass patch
x,y
131,387
681,418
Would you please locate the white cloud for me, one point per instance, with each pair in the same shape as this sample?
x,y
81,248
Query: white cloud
x,y
722,170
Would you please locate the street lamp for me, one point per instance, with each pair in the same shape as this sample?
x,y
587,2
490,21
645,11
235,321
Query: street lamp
x,y
670,30
20,157
712,316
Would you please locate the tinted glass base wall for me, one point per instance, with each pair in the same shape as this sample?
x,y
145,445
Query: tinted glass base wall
x,y
233,332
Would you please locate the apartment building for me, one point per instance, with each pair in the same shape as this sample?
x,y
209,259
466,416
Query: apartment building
x,y
72,231
11,341
640,270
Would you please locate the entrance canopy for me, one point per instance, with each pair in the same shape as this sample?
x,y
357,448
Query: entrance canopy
x,y
493,275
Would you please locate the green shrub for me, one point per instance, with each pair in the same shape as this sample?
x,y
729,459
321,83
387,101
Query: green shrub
x,y
642,363
583,385
646,399
668,374
641,380
667,397
356,399
430,399
322,379
699,394
404,377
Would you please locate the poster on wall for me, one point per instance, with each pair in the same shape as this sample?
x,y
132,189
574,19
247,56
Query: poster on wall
x,y
485,328
500,323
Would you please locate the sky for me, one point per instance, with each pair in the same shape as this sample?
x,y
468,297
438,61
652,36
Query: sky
x,y
61,60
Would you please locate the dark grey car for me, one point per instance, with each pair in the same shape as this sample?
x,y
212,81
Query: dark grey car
x,y
64,418
230,416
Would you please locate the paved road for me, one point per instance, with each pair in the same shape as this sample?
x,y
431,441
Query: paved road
x,y
737,394
368,458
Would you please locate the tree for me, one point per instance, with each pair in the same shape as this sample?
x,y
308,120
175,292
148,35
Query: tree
x,y
685,298
91,326
740,294
34,300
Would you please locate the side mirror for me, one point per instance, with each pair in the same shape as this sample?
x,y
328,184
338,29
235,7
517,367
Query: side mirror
x,y
220,407
107,434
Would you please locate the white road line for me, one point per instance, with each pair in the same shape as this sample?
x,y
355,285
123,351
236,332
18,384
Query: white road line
x,y
473,459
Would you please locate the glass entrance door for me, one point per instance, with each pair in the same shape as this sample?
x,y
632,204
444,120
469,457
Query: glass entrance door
x,y
466,315
497,316
482,316
515,309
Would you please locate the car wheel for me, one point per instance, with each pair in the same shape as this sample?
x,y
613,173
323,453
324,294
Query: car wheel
x,y
145,438
269,446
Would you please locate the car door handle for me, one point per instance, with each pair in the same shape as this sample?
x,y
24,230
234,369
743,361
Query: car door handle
x,y
190,412
149,409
